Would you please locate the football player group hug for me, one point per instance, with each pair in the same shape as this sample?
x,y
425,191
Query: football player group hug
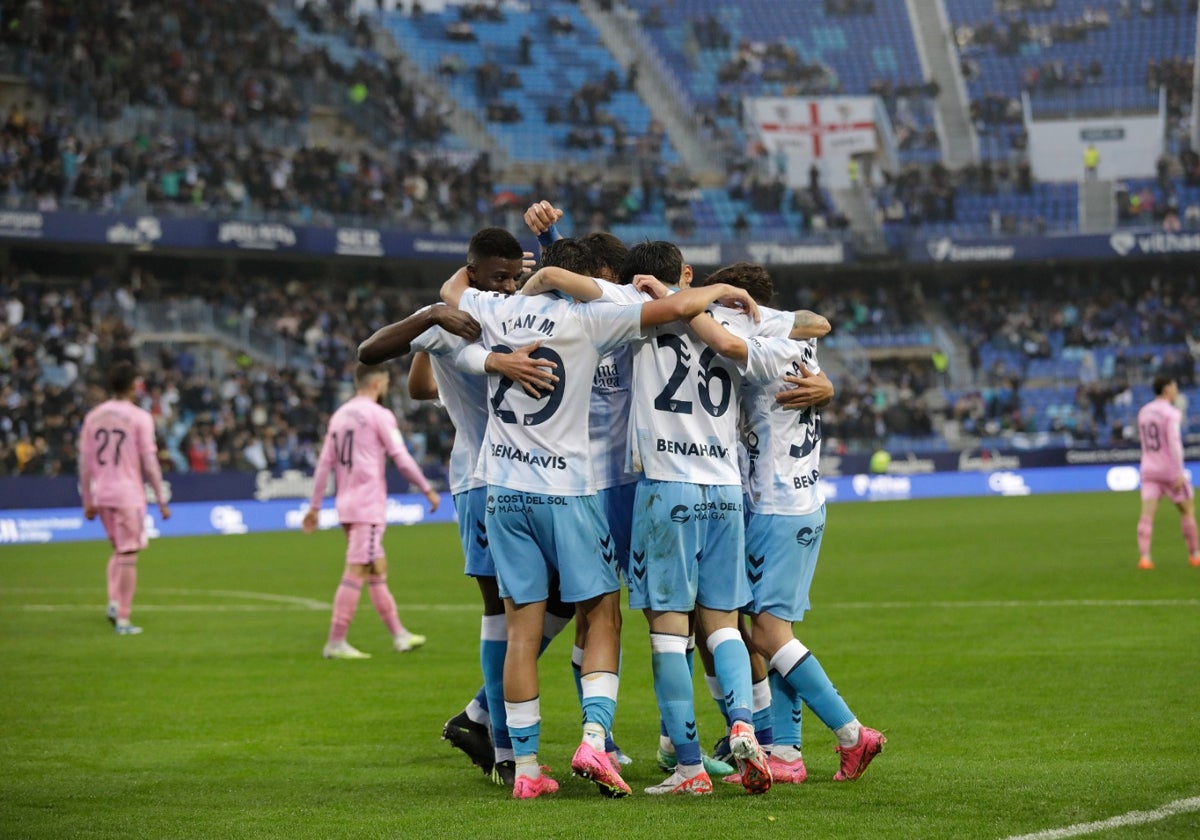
x,y
617,421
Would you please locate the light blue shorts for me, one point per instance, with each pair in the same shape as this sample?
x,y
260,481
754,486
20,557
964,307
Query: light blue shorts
x,y
617,504
688,547
781,553
534,535
472,532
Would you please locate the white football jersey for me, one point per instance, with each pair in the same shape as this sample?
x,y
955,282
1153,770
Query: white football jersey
x,y
608,418
465,398
783,448
685,410
541,445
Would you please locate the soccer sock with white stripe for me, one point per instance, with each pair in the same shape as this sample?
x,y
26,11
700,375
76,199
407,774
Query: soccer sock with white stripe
x,y
599,704
525,727
731,661
763,730
673,689
786,707
493,645
804,673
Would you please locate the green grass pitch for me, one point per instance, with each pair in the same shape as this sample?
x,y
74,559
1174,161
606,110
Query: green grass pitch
x,y
1027,675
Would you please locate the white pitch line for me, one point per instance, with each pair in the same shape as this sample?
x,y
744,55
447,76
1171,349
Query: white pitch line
x,y
1079,602
173,608
1179,806
312,604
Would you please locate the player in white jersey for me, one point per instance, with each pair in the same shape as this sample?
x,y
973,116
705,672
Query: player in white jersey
x,y
457,367
608,415
783,535
543,514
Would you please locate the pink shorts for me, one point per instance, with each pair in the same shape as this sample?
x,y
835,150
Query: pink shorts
x,y
126,528
1153,490
364,542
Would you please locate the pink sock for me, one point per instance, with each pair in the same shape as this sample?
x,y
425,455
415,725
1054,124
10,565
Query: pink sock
x,y
126,584
345,603
1144,532
385,604
1188,525
113,571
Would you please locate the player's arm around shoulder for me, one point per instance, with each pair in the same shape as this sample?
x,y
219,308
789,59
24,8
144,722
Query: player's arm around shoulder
x,y
807,324
552,278
806,389
421,384
721,340
396,339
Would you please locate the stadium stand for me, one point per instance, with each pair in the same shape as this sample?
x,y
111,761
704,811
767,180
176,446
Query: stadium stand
x,y
179,112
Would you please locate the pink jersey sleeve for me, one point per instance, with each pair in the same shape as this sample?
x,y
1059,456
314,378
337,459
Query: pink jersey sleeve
x,y
87,453
321,474
393,441
149,458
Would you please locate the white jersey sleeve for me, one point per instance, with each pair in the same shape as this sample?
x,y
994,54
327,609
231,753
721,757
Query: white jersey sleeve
x,y
465,397
775,322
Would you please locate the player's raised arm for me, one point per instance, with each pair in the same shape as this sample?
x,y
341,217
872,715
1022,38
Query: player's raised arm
x,y
540,218
454,288
551,278
396,339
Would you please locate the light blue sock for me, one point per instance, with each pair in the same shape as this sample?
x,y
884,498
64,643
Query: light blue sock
x,y
786,708
805,674
673,689
525,727
600,700
731,661
493,645
763,730
481,696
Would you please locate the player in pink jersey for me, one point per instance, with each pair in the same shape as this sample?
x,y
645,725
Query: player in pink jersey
x,y
1163,473
362,435
116,450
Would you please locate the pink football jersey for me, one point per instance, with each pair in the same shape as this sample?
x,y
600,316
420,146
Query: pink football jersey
x,y
116,448
362,434
1162,442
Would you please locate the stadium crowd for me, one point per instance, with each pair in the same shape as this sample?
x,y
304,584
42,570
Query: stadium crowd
x,y
59,337
240,413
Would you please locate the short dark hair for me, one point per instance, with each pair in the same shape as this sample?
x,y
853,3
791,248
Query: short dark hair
x,y
494,242
660,259
745,275
573,255
363,373
1161,382
121,377
609,250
